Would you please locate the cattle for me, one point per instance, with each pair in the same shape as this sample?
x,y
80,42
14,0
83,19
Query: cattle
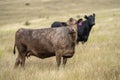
x,y
70,22
84,28
44,43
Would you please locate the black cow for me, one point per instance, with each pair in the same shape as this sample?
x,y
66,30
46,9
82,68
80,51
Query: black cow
x,y
59,24
44,43
84,28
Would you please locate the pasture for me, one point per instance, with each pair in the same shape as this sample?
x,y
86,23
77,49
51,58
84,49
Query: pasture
x,y
98,59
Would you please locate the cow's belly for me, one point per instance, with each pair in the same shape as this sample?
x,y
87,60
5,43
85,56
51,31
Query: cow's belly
x,y
45,55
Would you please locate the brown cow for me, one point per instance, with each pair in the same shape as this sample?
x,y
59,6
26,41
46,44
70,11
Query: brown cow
x,y
44,43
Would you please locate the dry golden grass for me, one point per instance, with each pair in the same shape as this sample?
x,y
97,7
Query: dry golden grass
x,y
98,59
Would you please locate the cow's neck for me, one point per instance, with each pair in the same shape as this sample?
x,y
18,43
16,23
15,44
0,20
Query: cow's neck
x,y
89,27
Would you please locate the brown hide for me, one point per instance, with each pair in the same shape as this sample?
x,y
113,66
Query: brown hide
x,y
44,43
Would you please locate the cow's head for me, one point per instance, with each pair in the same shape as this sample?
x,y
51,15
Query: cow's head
x,y
91,22
71,21
85,27
91,19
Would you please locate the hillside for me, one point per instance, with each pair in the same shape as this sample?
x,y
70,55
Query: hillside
x,y
17,10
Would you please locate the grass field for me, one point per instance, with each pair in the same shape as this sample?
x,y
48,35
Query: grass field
x,y
98,59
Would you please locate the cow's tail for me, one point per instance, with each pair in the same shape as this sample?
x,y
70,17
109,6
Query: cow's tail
x,y
14,49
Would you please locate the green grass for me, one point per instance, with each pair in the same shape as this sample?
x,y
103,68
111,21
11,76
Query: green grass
x,y
98,59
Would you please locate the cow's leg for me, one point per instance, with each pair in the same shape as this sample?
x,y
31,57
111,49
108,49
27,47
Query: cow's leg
x,y
64,61
17,61
23,59
22,54
58,59
20,60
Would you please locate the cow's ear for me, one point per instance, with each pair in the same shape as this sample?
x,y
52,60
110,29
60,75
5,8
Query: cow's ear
x,y
85,17
94,14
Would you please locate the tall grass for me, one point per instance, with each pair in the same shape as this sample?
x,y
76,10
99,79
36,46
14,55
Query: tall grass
x,y
98,59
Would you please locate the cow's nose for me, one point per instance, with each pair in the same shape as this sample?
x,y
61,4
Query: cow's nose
x,y
72,31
